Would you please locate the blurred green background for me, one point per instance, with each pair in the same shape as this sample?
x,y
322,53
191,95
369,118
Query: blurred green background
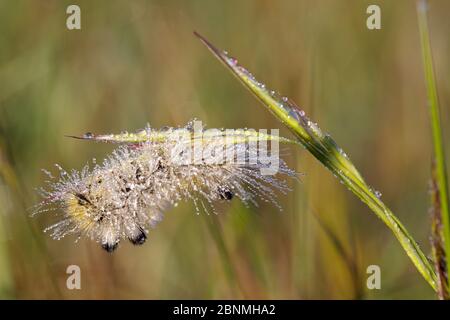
x,y
135,62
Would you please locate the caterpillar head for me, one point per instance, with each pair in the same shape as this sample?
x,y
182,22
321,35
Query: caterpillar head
x,y
93,213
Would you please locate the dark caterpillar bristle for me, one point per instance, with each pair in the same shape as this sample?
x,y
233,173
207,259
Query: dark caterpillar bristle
x,y
110,247
139,238
225,193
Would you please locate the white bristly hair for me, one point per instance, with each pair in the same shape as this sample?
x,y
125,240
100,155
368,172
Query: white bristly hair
x,y
127,194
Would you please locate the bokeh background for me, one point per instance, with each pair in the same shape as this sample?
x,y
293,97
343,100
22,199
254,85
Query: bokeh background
x,y
137,62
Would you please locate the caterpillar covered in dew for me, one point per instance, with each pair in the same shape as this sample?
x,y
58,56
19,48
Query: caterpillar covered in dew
x,y
152,171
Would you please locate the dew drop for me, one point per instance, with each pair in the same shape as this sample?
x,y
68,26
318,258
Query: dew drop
x,y
233,61
47,173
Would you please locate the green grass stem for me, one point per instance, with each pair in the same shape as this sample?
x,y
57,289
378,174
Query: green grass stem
x,y
433,104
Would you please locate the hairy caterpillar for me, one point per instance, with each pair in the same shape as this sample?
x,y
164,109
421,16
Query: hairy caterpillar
x,y
152,171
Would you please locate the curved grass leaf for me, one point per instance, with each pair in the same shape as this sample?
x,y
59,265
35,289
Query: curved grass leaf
x,y
325,149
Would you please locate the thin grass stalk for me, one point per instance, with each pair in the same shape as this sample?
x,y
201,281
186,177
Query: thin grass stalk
x,y
227,263
436,238
325,149
348,258
433,103
10,179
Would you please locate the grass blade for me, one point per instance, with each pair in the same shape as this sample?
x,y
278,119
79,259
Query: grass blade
x,y
347,257
326,150
215,230
433,102
143,136
437,245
